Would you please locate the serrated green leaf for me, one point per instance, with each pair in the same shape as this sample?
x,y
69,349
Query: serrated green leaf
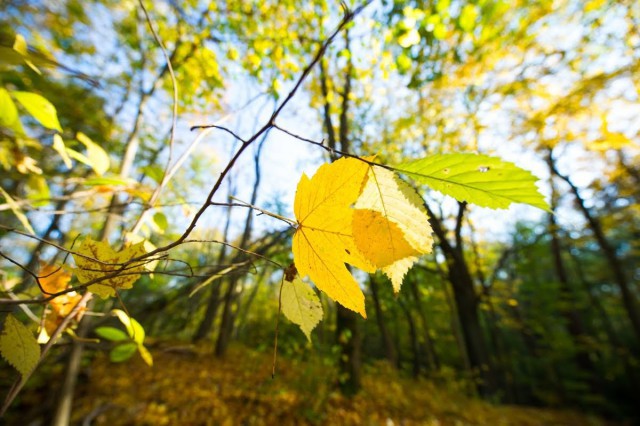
x,y
123,352
19,346
301,305
40,108
98,158
111,333
135,330
479,179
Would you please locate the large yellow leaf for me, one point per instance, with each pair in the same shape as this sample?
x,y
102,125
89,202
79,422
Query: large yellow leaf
x,y
324,242
390,224
97,259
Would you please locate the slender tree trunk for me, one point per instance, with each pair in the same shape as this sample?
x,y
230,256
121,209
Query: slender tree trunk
x,y
349,339
432,357
466,303
228,318
575,323
389,346
413,337
628,297
213,303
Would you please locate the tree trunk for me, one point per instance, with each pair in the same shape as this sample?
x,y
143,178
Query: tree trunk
x,y
466,302
349,339
413,337
628,297
432,357
389,346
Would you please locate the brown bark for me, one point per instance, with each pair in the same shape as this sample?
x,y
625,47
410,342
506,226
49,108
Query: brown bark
x,y
466,302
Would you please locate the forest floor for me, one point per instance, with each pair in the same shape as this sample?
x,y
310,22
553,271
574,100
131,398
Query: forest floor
x,y
189,386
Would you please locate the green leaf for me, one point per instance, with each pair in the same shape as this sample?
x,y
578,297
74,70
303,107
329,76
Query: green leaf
x,y
9,113
478,179
123,352
301,305
40,108
98,158
15,208
111,333
135,330
58,145
19,346
161,221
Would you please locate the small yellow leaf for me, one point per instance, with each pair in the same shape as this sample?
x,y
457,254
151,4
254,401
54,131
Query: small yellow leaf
x,y
58,145
19,346
146,355
400,230
96,259
381,241
301,305
97,157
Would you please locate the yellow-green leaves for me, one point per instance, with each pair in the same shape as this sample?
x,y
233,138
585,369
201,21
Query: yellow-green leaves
x,y
300,304
127,343
96,259
353,213
40,108
478,179
19,346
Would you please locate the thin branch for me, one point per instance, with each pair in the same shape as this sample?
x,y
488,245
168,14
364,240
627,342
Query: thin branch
x,y
349,15
214,126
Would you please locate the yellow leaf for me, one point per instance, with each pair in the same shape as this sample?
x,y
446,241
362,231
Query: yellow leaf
x,y
96,259
324,242
97,158
300,304
391,225
19,346
378,239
